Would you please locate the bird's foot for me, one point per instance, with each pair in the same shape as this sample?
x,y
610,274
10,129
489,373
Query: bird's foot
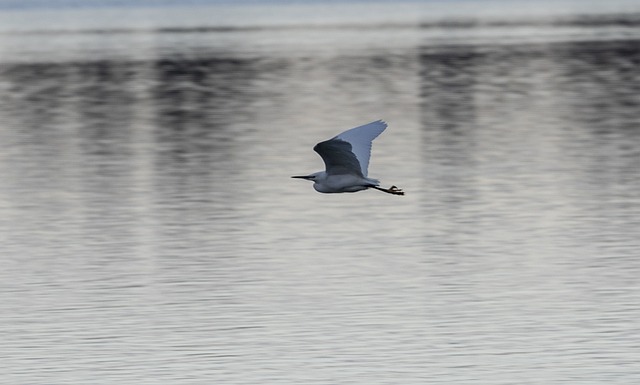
x,y
395,190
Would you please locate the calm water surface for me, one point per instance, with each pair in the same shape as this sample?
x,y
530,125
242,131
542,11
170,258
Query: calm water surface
x,y
150,233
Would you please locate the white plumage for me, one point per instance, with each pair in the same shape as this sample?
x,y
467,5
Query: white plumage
x,y
346,159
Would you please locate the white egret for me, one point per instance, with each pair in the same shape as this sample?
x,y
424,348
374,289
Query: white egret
x,y
346,159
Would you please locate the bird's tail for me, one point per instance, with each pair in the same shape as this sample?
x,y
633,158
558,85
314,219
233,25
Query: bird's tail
x,y
374,182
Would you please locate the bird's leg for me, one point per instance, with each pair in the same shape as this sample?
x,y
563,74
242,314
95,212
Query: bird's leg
x,y
391,190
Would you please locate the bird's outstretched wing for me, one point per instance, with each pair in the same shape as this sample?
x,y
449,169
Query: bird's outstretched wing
x,y
349,152
360,139
338,157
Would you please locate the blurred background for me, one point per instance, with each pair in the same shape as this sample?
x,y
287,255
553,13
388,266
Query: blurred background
x,y
150,233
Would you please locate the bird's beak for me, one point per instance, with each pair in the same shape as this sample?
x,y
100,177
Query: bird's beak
x,y
301,177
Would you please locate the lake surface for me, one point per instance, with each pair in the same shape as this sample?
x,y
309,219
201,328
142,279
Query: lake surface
x,y
150,233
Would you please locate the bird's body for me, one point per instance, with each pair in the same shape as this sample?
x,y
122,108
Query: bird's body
x,y
326,183
346,158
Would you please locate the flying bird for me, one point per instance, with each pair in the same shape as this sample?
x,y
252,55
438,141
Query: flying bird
x,y
346,159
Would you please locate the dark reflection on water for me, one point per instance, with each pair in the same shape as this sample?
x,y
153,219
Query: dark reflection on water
x,y
149,230
542,126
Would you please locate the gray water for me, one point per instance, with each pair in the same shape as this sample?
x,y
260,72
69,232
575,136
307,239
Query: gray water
x,y
150,233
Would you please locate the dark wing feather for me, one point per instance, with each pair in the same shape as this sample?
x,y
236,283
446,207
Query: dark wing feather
x,y
338,157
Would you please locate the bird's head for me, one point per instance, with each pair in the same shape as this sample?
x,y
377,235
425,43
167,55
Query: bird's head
x,y
312,177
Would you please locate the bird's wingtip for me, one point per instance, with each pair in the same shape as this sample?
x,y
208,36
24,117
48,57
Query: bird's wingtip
x,y
381,121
